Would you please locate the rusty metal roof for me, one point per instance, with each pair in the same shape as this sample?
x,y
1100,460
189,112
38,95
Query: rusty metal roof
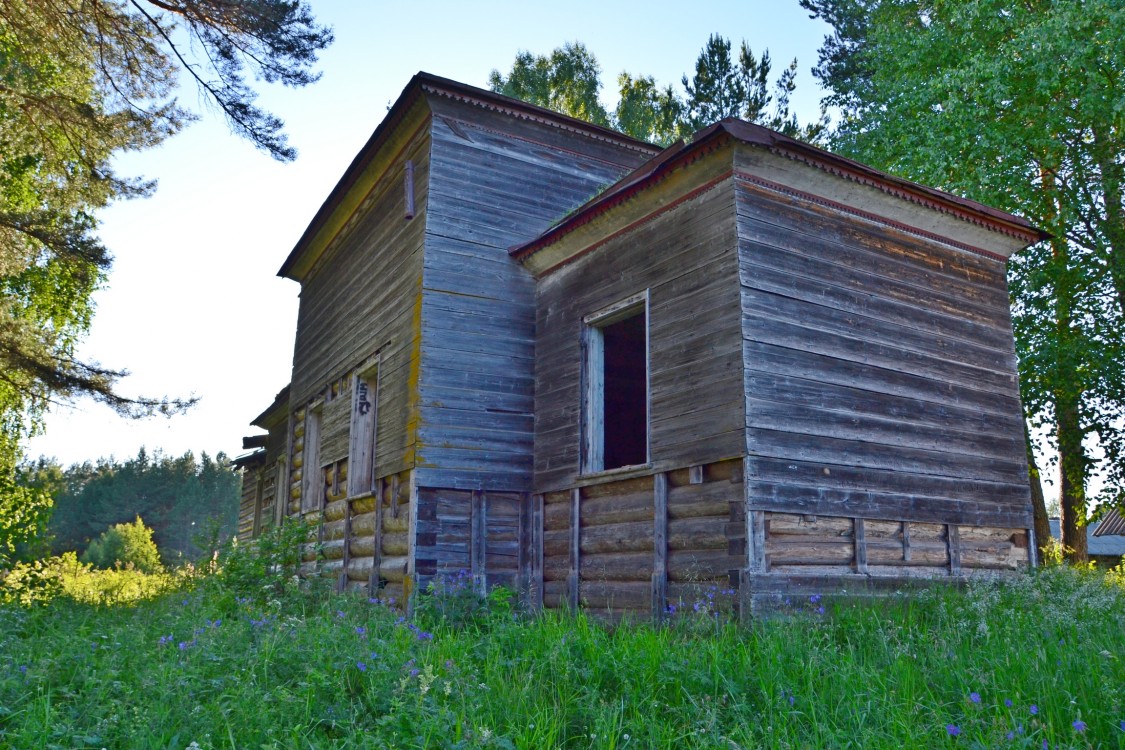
x,y
1112,523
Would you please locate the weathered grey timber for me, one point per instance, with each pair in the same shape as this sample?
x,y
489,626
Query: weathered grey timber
x,y
541,353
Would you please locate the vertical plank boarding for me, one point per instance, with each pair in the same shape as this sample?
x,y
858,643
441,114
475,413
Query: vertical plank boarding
x,y
660,546
575,539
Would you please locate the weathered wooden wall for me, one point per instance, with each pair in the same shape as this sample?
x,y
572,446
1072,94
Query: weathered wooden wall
x,y
364,542
364,296
495,181
250,499
452,318
884,430
644,546
469,535
686,258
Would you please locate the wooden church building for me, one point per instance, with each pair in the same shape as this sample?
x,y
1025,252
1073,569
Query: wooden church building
x,y
605,375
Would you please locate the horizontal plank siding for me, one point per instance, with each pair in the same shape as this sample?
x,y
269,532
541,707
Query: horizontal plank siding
x,y
880,380
364,297
495,181
686,259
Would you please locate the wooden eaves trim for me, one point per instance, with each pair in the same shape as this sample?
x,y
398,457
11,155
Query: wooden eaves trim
x,y
681,154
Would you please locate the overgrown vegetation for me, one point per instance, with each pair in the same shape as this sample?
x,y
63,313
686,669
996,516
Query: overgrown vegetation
x,y
178,497
230,660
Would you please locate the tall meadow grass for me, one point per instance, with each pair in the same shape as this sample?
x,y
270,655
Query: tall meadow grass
x,y
1034,661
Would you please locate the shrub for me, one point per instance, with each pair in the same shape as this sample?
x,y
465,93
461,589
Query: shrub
x,y
125,545
41,581
265,567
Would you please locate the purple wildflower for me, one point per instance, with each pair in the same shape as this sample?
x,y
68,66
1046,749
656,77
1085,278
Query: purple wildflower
x,y
1079,726
360,630
1122,725
1034,709
1011,735
1008,702
820,610
340,614
953,730
361,666
974,697
23,669
1045,745
814,598
414,672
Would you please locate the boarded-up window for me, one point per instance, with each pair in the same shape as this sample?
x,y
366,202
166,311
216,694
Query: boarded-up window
x,y
615,403
334,426
281,493
364,421
312,491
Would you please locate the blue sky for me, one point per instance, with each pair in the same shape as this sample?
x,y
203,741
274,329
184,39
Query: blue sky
x,y
193,304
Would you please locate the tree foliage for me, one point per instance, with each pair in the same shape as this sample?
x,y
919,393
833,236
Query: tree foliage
x,y
125,545
179,497
80,82
1021,106
568,81
24,514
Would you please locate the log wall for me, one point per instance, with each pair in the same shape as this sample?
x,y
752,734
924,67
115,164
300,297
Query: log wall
x,y
640,547
364,542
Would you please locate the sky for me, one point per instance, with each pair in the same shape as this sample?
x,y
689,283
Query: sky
x,y
193,305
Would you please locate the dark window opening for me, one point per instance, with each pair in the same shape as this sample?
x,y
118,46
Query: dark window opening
x,y
625,358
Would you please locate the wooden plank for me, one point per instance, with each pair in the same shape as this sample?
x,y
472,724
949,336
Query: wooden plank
x,y
860,539
789,347
917,313
906,553
537,552
374,583
477,540
768,394
880,457
762,310
953,538
756,541
347,547
887,253
660,546
394,496
696,474
575,544
524,551
842,501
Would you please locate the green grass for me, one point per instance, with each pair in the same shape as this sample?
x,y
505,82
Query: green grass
x,y
279,667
